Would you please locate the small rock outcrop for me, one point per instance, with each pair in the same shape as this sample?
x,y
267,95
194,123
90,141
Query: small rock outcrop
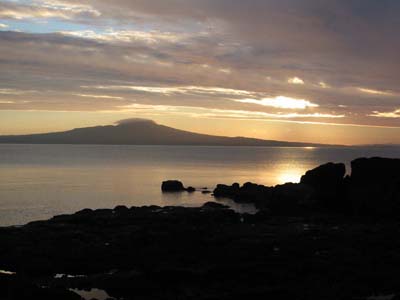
x,y
172,186
191,189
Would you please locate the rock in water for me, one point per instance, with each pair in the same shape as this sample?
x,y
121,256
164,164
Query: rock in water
x,y
226,191
191,189
172,186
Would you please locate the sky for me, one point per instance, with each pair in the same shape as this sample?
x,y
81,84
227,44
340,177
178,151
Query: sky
x,y
299,70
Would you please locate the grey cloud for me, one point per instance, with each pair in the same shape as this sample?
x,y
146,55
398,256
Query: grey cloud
x,y
18,11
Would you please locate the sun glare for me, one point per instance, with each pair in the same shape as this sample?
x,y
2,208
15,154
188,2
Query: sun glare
x,y
293,176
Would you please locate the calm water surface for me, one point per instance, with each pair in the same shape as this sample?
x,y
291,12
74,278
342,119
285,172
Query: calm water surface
x,y
40,181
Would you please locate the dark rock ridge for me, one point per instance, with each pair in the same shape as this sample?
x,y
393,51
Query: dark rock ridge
x,y
373,188
202,253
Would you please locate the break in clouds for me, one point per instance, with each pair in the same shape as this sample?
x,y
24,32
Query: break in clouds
x,y
326,61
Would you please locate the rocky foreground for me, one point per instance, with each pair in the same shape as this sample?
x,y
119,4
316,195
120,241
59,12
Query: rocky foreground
x,y
314,251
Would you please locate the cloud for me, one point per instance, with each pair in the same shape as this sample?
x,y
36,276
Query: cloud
x,y
126,36
8,91
99,96
323,85
375,92
45,10
281,102
392,114
296,80
204,112
175,90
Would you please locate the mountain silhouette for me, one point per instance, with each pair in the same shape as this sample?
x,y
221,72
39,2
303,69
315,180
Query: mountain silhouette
x,y
141,132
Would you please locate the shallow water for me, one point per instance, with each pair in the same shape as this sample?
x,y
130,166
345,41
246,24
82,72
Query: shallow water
x,y
40,181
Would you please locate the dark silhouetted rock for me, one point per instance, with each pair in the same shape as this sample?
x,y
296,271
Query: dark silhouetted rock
x,y
214,205
121,209
172,186
191,189
374,186
327,175
253,193
375,170
372,189
328,183
289,198
226,191
13,287
202,253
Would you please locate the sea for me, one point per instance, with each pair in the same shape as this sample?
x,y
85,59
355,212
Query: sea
x,y
38,182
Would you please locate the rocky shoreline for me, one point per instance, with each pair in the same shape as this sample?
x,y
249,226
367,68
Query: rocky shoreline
x,y
321,247
372,188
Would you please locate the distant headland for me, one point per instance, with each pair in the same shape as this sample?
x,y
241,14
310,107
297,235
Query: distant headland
x,y
142,132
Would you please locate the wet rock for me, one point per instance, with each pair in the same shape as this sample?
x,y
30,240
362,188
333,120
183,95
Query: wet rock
x,y
172,186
